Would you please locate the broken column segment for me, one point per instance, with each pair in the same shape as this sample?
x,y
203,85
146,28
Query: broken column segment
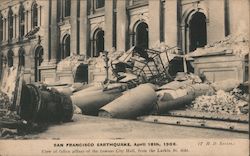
x,y
39,104
91,99
176,95
135,102
170,99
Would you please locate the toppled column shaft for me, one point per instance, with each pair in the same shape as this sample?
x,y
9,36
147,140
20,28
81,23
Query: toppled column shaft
x,y
175,99
135,102
90,100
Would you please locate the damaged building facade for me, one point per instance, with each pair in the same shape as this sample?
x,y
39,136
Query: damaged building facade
x,y
39,34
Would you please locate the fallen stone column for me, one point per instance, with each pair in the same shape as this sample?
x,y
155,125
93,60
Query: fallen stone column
x,y
176,99
92,99
135,102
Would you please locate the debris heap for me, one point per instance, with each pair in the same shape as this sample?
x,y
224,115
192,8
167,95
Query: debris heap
x,y
4,100
233,44
221,102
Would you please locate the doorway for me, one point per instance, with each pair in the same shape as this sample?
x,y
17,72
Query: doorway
x,y
197,31
99,42
142,35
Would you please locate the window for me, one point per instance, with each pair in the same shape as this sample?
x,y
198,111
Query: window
x,y
1,64
65,47
34,15
99,42
38,60
67,7
10,58
10,17
21,59
1,28
21,21
99,4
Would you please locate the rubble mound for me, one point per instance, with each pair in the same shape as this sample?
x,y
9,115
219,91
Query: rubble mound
x,y
70,63
4,100
237,44
222,102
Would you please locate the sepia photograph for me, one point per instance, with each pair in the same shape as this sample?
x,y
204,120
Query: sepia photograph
x,y
124,77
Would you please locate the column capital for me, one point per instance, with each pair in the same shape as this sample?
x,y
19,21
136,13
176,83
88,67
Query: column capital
x,y
27,5
5,13
15,9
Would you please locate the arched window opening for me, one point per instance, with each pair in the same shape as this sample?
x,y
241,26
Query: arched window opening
x,y
197,31
21,21
1,28
65,47
99,4
142,35
99,42
21,58
38,61
10,58
1,64
67,7
34,15
11,25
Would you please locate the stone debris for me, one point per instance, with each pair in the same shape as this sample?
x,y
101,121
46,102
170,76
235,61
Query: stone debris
x,y
70,63
77,110
241,93
232,44
70,66
11,115
4,100
226,85
221,102
8,133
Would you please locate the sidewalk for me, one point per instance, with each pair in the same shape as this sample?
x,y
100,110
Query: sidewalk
x,y
90,127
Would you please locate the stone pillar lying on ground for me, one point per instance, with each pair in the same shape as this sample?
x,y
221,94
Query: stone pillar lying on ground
x,y
135,102
90,100
176,95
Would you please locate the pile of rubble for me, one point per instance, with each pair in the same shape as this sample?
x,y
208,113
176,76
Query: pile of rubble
x,y
8,133
233,44
70,63
4,100
221,102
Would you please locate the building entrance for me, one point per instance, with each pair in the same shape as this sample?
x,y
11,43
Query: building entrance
x,y
197,31
142,35
99,38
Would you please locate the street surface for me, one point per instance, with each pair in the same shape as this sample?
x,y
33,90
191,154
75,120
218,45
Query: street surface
x,y
90,127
